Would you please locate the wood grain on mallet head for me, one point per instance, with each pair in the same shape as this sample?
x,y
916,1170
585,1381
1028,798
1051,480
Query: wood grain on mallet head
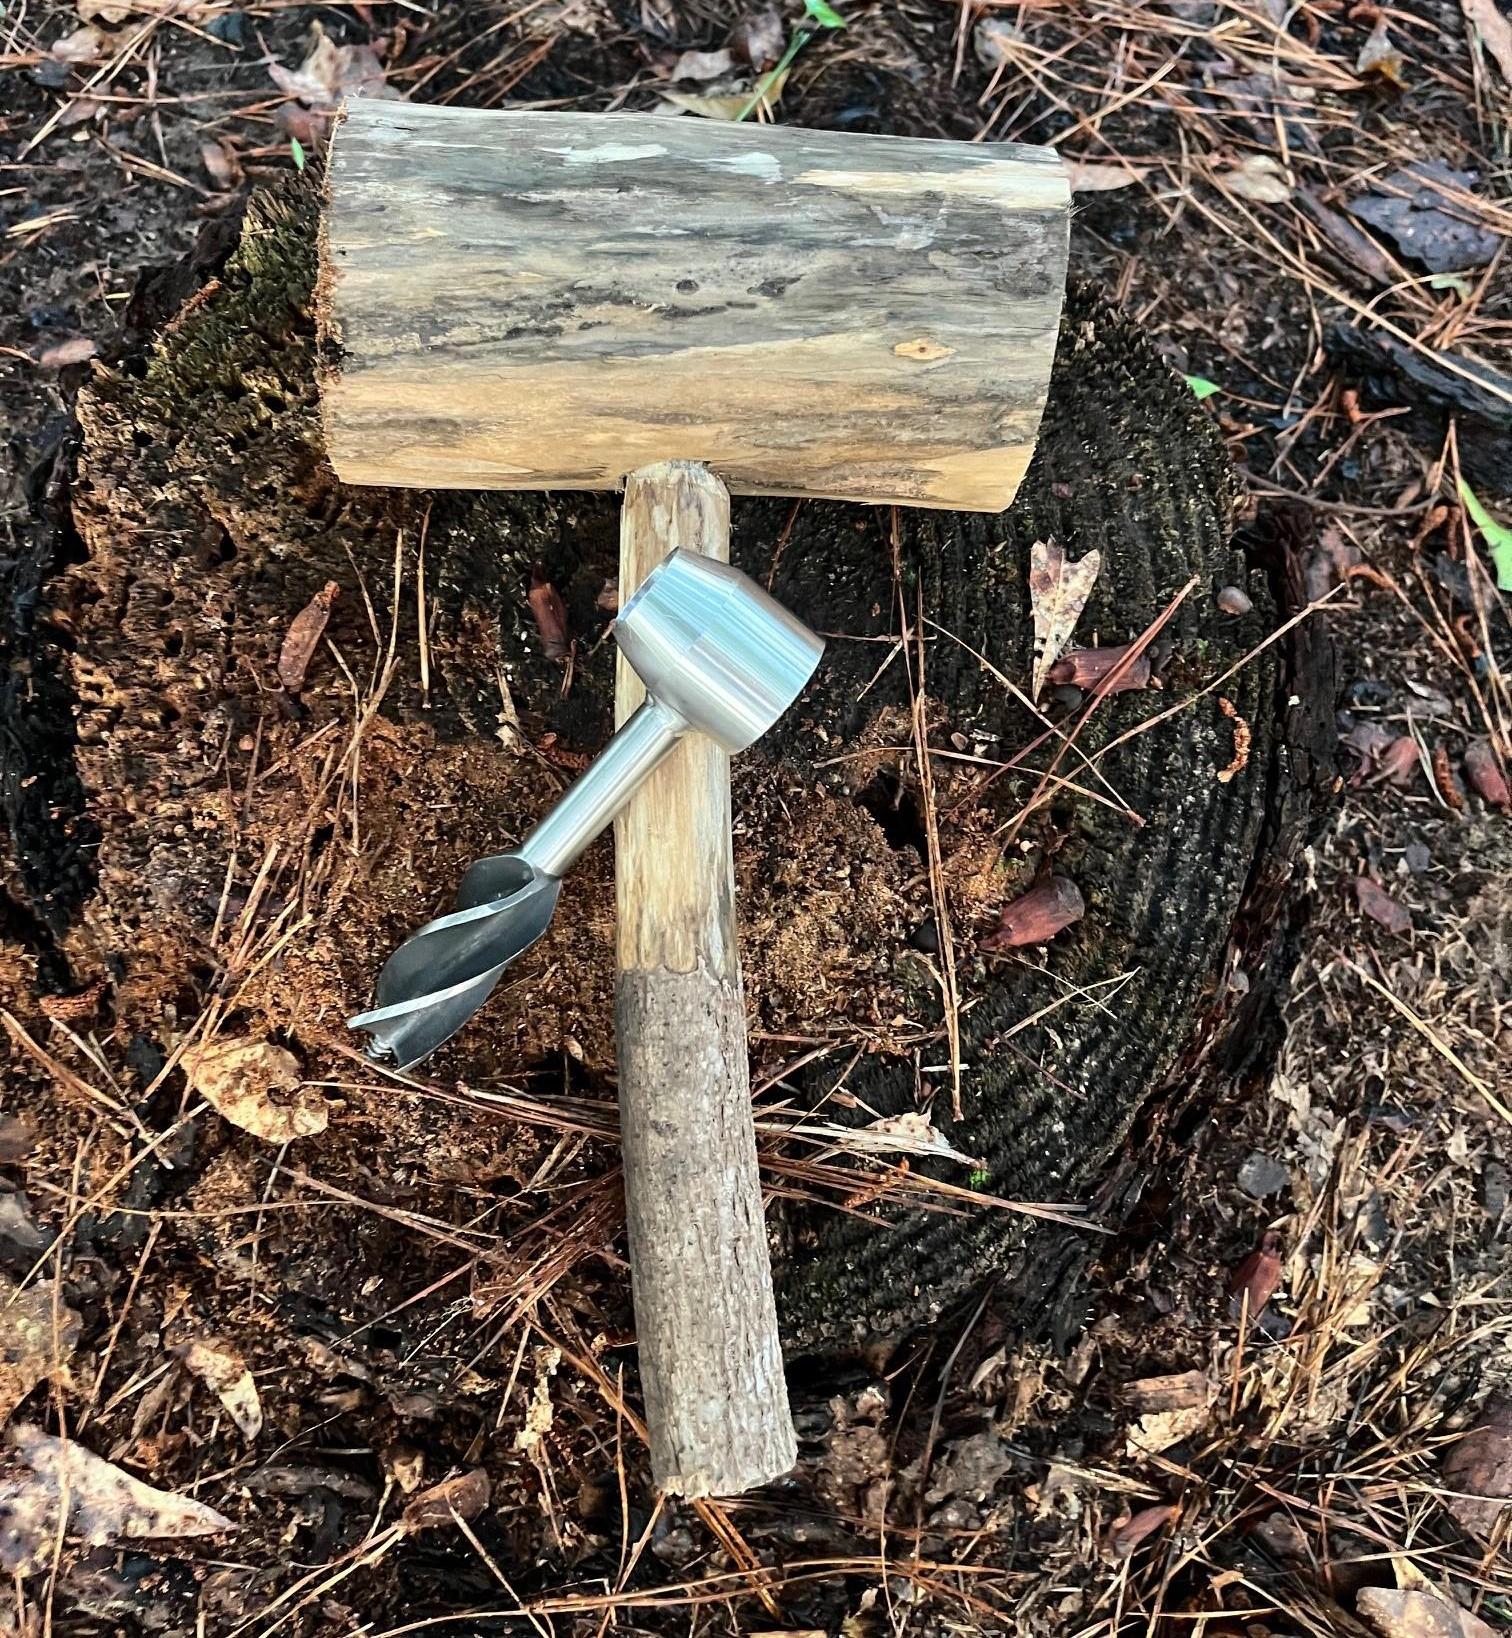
x,y
549,301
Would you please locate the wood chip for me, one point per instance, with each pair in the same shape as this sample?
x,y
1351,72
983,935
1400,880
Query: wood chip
x,y
550,614
76,350
1480,1468
1355,246
462,1497
1172,1408
1417,1612
1058,592
256,1086
1181,1390
303,637
225,1373
1485,774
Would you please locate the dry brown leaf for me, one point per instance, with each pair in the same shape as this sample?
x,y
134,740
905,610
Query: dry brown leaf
x,y
35,1341
1380,57
331,72
1037,916
726,107
550,614
703,65
760,38
1259,177
111,12
84,45
1090,667
1495,32
77,111
1122,1539
1257,1276
17,1139
304,125
303,637
1417,1612
910,1133
225,1373
103,1505
1379,905
1480,1467
256,1086
1485,774
1400,761
1058,592
1091,176
221,164
461,1497
993,40
73,351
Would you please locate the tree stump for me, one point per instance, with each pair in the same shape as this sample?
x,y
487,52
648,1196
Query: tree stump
x,y
269,840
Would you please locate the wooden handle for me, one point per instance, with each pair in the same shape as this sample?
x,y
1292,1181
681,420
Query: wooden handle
x,y
710,1355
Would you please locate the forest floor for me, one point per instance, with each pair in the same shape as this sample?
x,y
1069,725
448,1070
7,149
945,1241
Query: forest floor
x,y
1293,1394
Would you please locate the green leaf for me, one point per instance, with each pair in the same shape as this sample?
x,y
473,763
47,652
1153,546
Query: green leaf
x,y
1456,282
1497,536
979,1177
1202,386
296,147
823,13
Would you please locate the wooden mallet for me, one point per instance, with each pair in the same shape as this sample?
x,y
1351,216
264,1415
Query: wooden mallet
x,y
685,309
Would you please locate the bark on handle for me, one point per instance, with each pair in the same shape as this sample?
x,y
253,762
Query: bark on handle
x,y
710,1355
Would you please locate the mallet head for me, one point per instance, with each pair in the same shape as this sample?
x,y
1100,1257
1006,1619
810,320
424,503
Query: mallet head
x,y
707,641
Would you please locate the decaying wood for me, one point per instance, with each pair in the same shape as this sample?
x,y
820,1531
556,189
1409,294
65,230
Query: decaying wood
x,y
541,300
706,1319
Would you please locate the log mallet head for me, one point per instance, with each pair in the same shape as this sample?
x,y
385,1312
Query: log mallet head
x,y
539,300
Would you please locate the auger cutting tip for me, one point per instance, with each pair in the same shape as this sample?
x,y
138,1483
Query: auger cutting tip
x,y
439,977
